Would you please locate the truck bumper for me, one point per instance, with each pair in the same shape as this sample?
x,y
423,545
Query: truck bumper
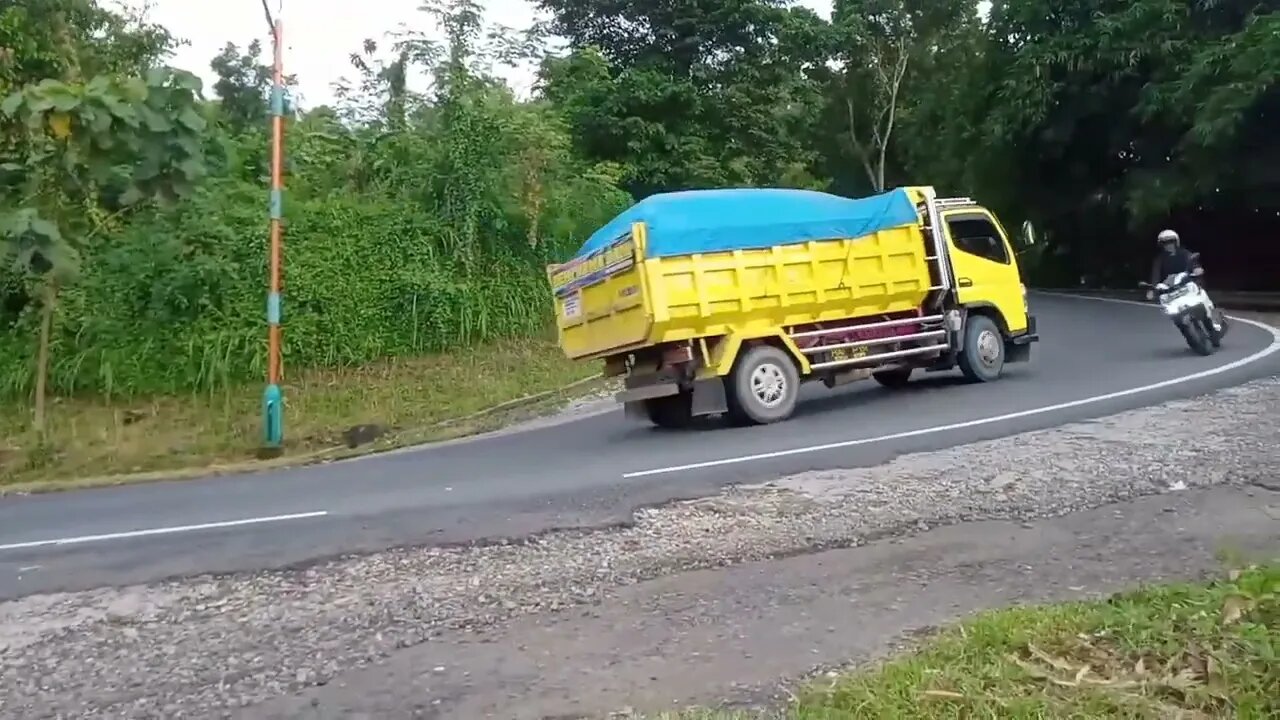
x,y
1018,347
647,392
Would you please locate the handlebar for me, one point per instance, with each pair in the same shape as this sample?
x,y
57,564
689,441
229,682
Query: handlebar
x,y
1194,272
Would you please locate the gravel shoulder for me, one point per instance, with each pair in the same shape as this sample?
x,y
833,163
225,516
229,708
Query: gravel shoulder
x,y
747,636
698,600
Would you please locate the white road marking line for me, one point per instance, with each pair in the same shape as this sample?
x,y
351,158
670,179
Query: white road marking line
x,y
160,531
1269,350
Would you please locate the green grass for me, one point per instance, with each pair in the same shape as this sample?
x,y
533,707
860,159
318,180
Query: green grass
x,y
1178,651
419,400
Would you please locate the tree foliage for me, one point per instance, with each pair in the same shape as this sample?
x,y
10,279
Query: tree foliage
x,y
691,94
424,202
79,149
1124,115
51,38
415,221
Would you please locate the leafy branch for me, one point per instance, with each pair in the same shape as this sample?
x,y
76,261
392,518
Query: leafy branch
x,y
82,154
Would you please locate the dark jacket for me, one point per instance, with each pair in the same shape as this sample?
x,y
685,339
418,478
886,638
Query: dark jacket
x,y
1167,264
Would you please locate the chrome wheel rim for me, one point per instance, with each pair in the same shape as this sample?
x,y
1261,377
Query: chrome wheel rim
x,y
989,348
769,385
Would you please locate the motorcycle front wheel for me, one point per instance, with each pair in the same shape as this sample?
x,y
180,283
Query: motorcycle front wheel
x,y
1195,331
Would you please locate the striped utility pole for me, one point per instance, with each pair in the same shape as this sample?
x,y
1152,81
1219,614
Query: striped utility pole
x,y
273,397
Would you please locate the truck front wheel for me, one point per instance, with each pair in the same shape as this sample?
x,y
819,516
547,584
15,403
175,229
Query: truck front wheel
x,y
982,359
763,387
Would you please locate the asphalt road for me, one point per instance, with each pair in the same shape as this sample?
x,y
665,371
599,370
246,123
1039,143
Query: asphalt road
x,y
1094,358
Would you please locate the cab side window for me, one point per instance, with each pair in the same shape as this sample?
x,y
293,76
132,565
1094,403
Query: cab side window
x,y
976,235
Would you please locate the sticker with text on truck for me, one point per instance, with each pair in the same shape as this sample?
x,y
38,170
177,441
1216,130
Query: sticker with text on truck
x,y
572,306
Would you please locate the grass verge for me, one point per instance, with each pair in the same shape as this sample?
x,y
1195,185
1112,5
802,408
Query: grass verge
x,y
1179,651
382,406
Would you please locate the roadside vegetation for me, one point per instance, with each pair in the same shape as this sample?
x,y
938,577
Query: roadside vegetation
x,y
425,201
1193,651
332,413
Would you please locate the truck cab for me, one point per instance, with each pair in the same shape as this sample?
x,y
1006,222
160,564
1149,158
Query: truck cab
x,y
987,279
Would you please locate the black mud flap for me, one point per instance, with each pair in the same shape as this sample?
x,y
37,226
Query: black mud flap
x,y
1015,353
709,397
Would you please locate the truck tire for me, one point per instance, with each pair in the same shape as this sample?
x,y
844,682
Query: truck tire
x,y
763,387
894,379
982,359
673,412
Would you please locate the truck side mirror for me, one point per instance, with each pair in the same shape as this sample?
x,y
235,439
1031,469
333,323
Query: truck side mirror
x,y
1028,234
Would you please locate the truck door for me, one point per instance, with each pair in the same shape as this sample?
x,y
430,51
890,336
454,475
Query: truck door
x,y
985,270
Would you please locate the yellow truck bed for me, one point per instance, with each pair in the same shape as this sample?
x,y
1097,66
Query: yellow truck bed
x,y
617,298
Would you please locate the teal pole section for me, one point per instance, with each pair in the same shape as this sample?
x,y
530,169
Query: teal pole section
x,y
273,416
273,396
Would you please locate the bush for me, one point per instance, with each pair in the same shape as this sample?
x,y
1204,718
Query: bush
x,y
175,301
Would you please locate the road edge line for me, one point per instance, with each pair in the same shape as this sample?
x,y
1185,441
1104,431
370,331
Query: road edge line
x,y
1261,354
147,532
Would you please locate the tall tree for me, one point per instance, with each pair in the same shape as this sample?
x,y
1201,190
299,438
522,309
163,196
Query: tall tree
x,y
877,39
242,87
691,94
897,59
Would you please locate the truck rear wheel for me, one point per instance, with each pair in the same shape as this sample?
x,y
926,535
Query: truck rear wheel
x,y
982,359
895,378
673,412
763,387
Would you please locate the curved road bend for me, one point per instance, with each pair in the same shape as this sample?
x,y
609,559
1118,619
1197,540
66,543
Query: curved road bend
x,y
1093,357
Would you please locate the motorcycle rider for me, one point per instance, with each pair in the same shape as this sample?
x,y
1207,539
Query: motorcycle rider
x,y
1174,259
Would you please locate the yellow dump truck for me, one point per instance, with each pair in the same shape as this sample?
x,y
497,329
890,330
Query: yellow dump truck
x,y
721,302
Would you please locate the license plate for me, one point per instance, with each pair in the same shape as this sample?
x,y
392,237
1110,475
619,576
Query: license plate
x,y
848,354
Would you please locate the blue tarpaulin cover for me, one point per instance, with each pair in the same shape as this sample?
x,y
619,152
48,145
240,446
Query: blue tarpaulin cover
x,y
704,221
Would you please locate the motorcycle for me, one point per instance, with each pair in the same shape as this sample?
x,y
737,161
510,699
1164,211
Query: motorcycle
x,y
1187,304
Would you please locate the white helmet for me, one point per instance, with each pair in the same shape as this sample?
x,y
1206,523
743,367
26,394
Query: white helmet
x,y
1167,236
